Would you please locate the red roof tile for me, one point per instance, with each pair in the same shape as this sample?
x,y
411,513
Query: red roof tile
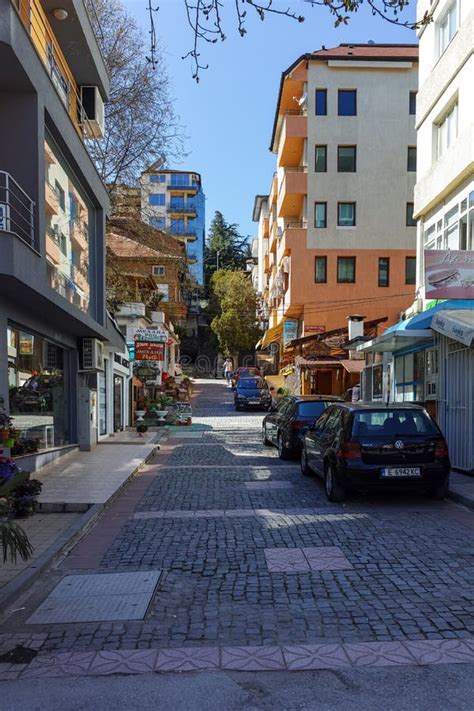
x,y
399,52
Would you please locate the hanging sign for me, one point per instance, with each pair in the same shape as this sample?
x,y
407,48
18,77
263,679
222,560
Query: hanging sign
x,y
151,335
449,274
290,330
313,329
144,350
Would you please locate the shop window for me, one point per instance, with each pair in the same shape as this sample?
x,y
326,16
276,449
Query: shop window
x,y
38,398
410,377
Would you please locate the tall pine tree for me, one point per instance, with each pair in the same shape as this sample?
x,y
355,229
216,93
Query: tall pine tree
x,y
225,248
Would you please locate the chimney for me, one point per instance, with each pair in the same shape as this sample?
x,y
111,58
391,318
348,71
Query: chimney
x,y
355,327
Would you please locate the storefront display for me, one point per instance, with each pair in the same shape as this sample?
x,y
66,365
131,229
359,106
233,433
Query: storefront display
x,y
37,390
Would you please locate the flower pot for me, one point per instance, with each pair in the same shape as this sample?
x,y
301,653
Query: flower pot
x,y
161,414
140,415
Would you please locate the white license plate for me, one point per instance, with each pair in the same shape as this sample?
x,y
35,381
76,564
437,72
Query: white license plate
x,y
401,472
254,402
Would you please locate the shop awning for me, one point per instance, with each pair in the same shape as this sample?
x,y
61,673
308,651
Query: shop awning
x,y
272,335
415,329
458,325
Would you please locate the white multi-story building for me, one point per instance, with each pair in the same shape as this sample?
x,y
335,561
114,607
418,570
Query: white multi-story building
x,y
444,192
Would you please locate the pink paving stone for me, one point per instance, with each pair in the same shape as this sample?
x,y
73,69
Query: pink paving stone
x,y
267,485
252,658
441,651
326,558
133,661
187,659
286,560
60,664
315,656
380,654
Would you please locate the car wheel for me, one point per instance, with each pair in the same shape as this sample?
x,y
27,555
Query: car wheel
x,y
305,470
334,490
440,491
283,452
265,441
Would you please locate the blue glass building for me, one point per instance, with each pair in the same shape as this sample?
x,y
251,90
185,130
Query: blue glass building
x,y
173,201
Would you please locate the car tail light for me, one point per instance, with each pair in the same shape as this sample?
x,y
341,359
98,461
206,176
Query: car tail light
x,y
297,424
350,450
441,449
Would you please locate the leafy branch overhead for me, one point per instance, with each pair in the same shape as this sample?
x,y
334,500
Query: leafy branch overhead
x,y
209,19
235,302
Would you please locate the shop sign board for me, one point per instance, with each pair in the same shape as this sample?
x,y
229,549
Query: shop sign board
x,y
151,335
449,274
313,329
290,330
146,350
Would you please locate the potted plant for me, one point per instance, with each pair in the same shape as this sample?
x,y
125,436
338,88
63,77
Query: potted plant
x,y
8,469
13,539
142,427
6,424
25,497
161,406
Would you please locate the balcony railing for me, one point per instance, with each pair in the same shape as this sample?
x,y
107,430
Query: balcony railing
x,y
16,210
184,188
181,210
47,47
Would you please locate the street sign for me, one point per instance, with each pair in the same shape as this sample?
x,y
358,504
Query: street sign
x,y
145,350
151,335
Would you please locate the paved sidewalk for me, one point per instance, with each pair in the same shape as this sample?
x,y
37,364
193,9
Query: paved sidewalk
x,y
87,478
461,489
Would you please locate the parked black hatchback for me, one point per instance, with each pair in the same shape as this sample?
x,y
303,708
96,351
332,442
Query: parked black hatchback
x,y
288,420
370,446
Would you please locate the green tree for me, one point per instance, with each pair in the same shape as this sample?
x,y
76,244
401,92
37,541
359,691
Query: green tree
x,y
234,299
226,248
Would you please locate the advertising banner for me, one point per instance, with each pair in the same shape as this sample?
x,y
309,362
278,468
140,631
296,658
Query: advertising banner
x,y
290,331
151,335
144,350
449,274
308,330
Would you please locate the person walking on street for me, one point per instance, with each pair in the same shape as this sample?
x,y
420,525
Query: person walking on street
x,y
228,369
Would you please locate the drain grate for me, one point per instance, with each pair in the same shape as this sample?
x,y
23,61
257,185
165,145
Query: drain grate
x,y
99,597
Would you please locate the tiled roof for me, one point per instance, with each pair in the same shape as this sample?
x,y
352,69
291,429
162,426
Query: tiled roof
x,y
122,246
408,52
141,233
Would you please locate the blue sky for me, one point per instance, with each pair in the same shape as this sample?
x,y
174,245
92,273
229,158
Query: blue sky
x,y
228,116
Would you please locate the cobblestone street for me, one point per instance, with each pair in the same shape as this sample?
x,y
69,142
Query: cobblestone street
x,y
252,554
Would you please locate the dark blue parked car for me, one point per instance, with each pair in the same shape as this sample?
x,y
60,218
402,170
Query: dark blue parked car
x,y
252,392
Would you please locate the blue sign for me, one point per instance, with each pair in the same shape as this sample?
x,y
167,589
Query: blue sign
x,y
290,331
131,349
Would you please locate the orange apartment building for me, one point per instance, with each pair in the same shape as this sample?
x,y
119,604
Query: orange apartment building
x,y
336,234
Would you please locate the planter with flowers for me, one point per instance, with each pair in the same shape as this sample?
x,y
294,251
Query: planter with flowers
x,y
25,497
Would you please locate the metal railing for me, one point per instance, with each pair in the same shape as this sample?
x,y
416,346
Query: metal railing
x,y
16,210
181,210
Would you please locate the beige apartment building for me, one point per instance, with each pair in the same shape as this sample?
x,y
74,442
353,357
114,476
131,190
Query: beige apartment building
x,y
336,232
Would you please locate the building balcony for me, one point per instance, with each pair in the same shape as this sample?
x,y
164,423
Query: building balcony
x,y
51,199
17,210
293,133
189,189
186,210
292,191
79,232
274,235
80,278
294,234
185,236
272,198
53,252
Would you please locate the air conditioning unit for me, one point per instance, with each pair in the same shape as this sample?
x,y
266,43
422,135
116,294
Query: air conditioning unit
x,y
93,112
4,217
92,355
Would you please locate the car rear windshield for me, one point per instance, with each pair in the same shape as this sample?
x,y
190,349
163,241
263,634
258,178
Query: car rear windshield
x,y
251,383
393,422
311,409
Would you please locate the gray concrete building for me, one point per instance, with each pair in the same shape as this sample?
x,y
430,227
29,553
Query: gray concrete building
x,y
53,320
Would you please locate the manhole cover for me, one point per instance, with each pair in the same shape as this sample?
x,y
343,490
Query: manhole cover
x,y
98,598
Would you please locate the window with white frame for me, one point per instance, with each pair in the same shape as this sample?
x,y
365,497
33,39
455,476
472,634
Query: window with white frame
x,y
446,27
446,131
158,270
